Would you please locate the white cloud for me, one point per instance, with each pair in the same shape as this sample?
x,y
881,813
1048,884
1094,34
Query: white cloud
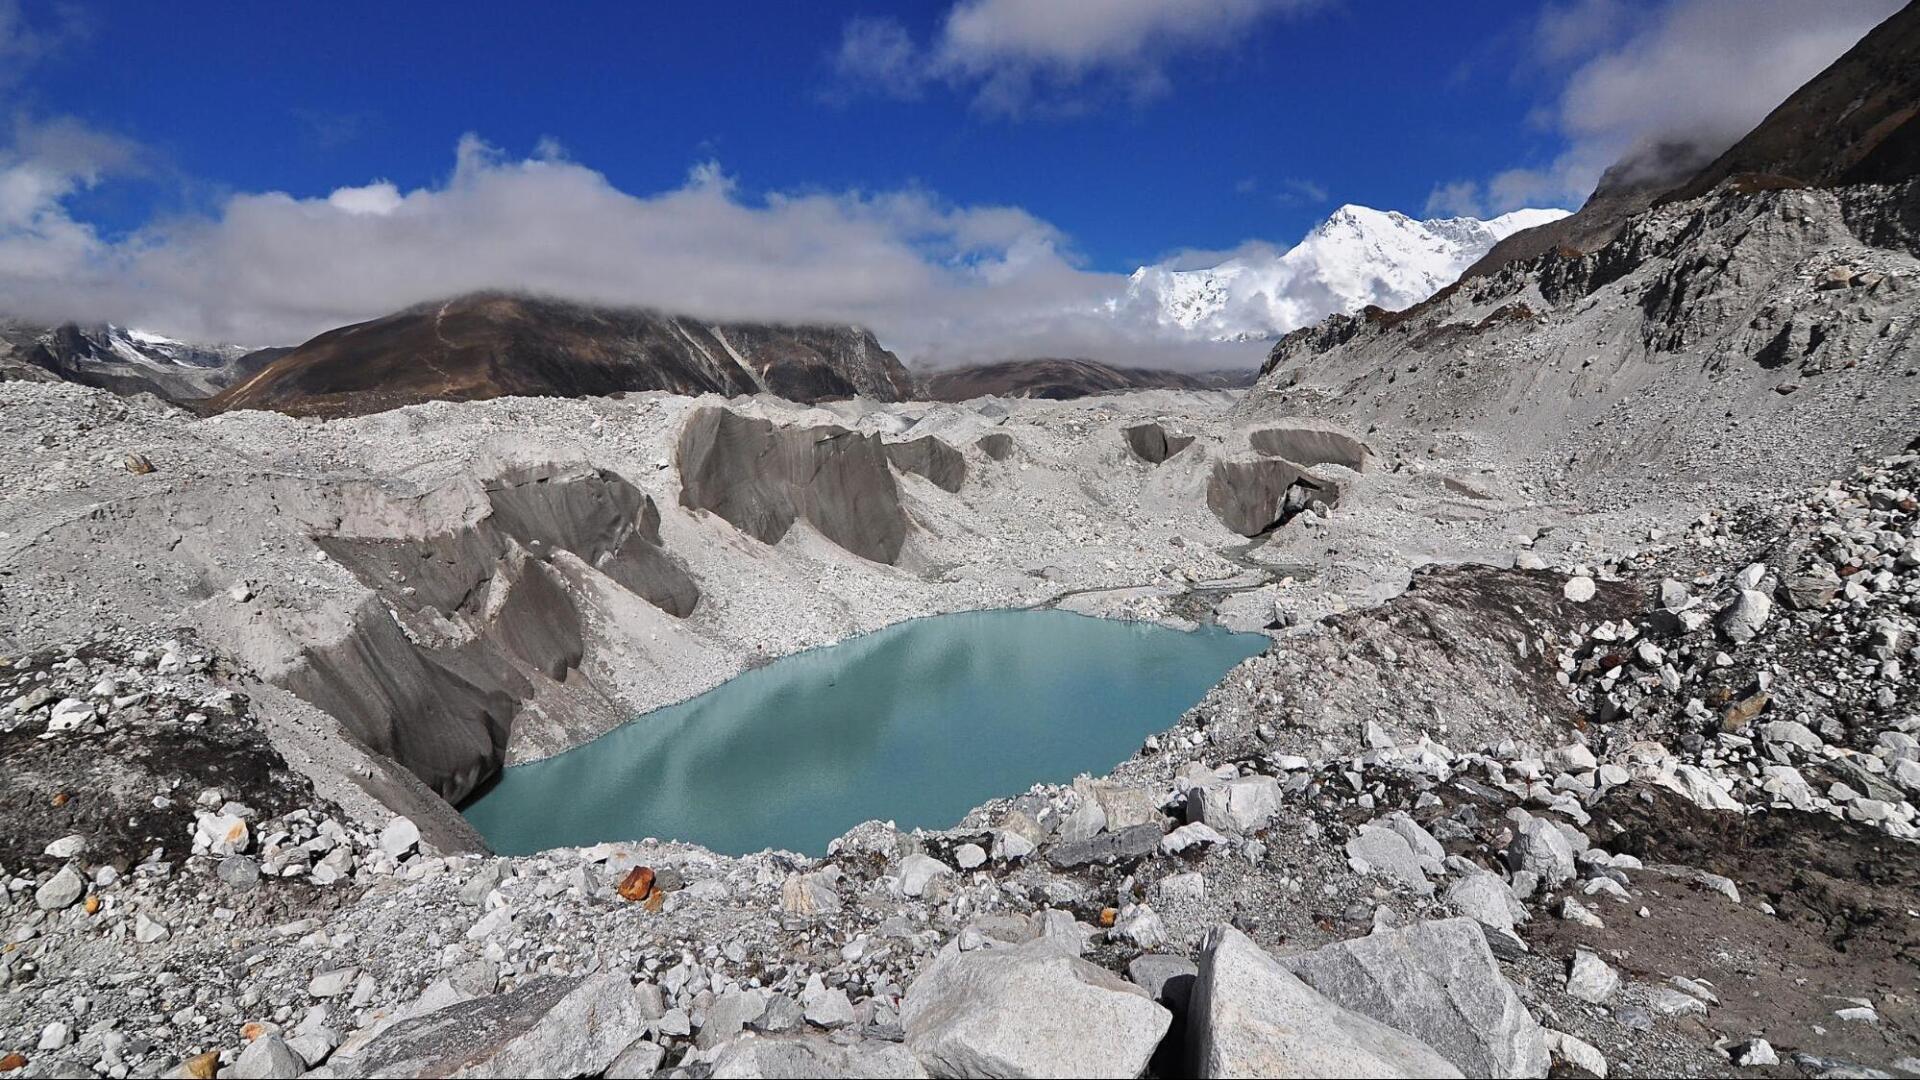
x,y
1019,55
936,281
22,43
1460,198
42,165
1698,73
380,197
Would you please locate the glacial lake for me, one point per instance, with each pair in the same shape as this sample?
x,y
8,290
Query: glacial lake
x,y
917,723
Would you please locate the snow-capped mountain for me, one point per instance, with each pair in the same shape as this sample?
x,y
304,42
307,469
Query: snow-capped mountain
x,y
1358,256
129,360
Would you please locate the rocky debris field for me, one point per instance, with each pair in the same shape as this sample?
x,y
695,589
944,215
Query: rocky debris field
x,y
1656,875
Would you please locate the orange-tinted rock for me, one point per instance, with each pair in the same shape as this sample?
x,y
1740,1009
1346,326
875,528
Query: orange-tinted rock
x,y
13,1061
656,900
638,884
93,905
1107,915
201,1066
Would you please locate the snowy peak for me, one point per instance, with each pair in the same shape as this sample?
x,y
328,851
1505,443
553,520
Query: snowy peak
x,y
1356,257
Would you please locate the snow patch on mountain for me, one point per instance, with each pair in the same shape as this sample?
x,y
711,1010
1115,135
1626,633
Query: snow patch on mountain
x,y
1358,256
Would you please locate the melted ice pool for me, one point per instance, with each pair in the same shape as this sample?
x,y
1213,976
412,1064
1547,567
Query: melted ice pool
x,y
917,723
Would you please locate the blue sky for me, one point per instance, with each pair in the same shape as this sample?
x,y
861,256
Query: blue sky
x,y
1258,138
967,176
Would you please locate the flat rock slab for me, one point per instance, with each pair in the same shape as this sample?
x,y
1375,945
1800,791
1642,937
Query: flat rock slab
x,y
1029,1010
1110,847
545,1027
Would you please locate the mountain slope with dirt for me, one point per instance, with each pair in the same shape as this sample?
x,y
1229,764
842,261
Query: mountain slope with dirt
x,y
490,345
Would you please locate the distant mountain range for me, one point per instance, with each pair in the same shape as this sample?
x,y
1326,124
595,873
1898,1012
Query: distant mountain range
x,y
123,360
486,345
1358,257
1060,379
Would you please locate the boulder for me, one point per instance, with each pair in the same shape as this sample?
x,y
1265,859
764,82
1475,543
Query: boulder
x,y
1253,497
64,889
931,458
1151,443
548,1026
1237,806
917,871
1379,848
267,1058
1438,982
1250,1016
1107,848
1540,848
1486,899
1590,978
1028,1010
1742,619
762,478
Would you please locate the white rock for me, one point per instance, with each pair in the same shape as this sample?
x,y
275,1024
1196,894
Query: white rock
x,y
917,871
1029,1010
1590,978
399,837
1249,1016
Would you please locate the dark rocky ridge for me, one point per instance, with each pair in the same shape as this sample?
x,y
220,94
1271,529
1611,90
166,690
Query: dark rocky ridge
x,y
443,705
1254,497
997,445
489,345
931,458
1857,122
1629,187
1854,123
110,358
1064,379
1783,309
1152,444
763,478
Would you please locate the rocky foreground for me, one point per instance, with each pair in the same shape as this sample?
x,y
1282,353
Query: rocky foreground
x,y
1692,853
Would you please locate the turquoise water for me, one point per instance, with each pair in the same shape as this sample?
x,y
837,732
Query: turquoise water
x,y
917,723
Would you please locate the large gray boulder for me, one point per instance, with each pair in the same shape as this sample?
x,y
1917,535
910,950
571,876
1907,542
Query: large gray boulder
x,y
1311,444
1544,849
1029,1010
1235,806
1438,982
805,1057
763,478
931,458
1250,1016
550,1026
1255,496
